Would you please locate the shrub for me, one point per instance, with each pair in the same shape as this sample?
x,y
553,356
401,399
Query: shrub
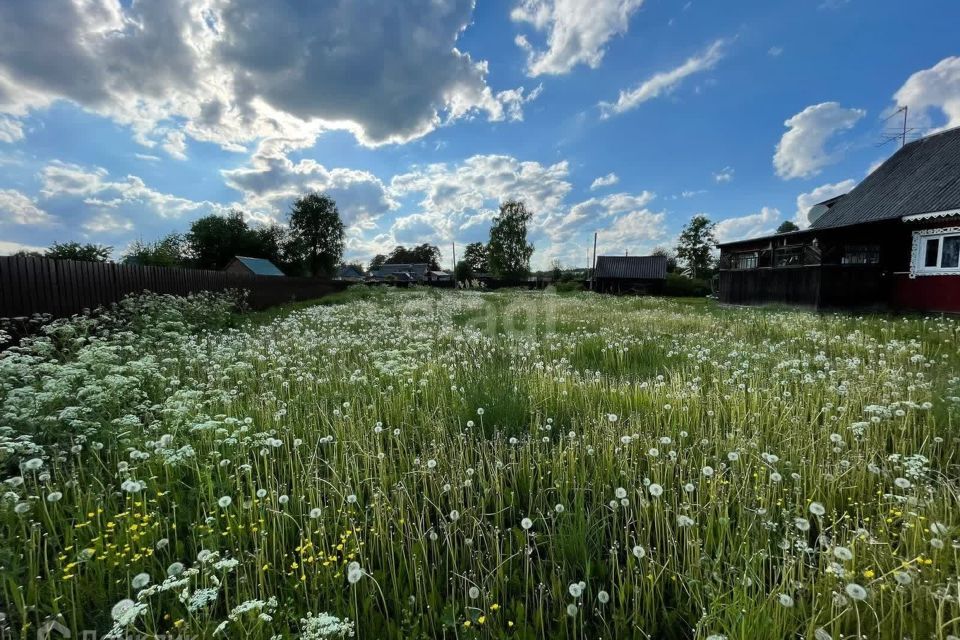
x,y
679,285
568,286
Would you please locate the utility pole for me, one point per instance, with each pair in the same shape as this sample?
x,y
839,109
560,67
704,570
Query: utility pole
x,y
593,265
454,245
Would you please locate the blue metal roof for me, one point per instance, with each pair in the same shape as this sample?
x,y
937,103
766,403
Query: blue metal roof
x,y
260,266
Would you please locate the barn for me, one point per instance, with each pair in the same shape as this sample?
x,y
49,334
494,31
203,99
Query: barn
x,y
893,242
630,274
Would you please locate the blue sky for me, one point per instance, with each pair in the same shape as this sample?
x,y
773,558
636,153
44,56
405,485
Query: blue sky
x,y
126,120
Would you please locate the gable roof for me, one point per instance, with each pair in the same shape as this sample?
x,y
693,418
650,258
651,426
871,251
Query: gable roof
x,y
922,177
631,267
350,271
419,269
260,266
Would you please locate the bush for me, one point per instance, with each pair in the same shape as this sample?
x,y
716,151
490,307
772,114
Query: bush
x,y
568,286
678,285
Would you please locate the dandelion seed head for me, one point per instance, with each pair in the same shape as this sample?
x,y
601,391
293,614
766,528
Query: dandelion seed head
x,y
855,591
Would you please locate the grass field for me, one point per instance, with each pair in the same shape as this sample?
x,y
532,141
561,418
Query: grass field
x,y
431,464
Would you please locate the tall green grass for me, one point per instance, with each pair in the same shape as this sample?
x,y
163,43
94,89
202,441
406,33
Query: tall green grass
x,y
430,464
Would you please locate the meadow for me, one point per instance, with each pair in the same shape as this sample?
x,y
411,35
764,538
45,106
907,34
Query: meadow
x,y
443,464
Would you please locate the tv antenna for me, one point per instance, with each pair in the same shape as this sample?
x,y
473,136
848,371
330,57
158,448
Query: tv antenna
x,y
889,135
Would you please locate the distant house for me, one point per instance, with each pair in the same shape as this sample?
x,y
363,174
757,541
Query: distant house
x,y
350,273
630,274
892,242
401,272
439,276
253,266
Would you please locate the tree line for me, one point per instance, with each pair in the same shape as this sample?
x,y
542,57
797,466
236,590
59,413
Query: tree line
x,y
312,244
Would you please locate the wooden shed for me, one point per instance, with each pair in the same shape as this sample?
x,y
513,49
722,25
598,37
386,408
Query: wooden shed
x,y
630,274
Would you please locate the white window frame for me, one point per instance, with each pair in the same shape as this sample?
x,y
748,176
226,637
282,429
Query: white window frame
x,y
918,257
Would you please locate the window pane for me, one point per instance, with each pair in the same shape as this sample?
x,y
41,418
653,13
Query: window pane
x,y
951,253
933,247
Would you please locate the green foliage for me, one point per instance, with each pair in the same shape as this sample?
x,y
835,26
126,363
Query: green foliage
x,y
509,252
463,271
680,285
567,286
695,243
213,241
378,261
170,251
317,233
669,255
77,251
476,255
421,254
787,226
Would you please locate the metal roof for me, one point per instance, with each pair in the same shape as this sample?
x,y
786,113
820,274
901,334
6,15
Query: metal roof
x,y
419,269
260,266
922,177
350,271
631,267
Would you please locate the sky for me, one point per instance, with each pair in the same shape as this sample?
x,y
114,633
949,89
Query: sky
x,y
123,120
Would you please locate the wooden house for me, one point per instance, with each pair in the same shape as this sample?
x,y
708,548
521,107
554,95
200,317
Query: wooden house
x,y
893,242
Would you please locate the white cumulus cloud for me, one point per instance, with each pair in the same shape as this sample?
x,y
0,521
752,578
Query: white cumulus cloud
x,y
18,208
802,151
762,223
936,90
821,193
577,31
235,71
724,175
605,181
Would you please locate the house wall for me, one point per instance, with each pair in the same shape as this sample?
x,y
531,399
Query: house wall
x,y
236,266
788,285
927,293
622,285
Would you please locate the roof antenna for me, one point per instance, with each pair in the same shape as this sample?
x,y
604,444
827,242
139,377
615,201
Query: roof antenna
x,y
889,135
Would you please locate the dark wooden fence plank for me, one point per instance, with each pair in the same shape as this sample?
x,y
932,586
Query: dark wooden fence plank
x,y
66,287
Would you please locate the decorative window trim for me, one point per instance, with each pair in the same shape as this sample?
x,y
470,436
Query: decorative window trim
x,y
920,237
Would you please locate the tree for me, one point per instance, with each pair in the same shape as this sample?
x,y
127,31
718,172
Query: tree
x,y
508,253
170,251
77,251
463,271
317,231
787,226
475,254
669,255
421,254
556,269
695,243
378,261
215,240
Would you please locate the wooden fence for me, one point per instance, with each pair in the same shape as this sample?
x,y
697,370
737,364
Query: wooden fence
x,y
65,287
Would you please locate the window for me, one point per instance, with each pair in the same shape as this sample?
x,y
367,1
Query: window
x,y
744,260
861,254
788,256
936,252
